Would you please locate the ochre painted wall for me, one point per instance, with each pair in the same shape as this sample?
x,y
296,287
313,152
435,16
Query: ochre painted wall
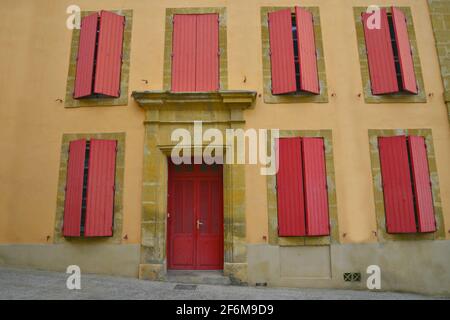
x,y
33,73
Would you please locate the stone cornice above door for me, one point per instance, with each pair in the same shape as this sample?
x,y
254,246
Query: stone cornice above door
x,y
232,99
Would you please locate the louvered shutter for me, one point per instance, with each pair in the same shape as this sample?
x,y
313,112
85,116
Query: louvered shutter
x,y
109,54
422,184
74,189
100,188
282,52
404,51
383,77
207,53
85,58
290,199
309,79
315,185
397,188
184,52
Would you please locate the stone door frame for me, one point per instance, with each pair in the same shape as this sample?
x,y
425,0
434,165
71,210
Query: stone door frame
x,y
165,111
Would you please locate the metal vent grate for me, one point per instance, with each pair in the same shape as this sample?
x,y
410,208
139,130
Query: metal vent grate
x,y
352,276
185,287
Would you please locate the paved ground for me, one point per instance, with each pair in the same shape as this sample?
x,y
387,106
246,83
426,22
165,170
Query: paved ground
x,y
31,284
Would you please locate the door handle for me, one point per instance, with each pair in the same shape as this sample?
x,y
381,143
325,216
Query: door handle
x,y
199,223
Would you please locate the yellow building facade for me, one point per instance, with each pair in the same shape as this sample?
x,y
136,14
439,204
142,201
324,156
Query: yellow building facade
x,y
40,117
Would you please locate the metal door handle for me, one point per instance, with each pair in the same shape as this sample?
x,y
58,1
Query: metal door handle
x,y
199,223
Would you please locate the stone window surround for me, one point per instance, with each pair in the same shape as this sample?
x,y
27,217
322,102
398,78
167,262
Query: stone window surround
x,y
70,102
223,69
274,239
389,98
165,111
267,74
116,238
378,190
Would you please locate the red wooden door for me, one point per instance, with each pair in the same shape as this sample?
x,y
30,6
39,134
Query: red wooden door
x,y
195,217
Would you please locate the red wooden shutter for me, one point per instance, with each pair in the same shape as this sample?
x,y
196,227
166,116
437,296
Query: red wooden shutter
x,y
404,51
315,184
207,49
109,54
85,59
309,79
380,56
100,188
397,189
282,52
291,210
184,52
74,189
422,184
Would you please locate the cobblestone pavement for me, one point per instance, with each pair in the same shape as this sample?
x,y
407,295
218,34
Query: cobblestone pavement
x,y
31,284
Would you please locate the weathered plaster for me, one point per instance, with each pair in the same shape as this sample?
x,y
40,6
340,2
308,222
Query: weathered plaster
x,y
412,266
378,190
70,102
267,74
390,98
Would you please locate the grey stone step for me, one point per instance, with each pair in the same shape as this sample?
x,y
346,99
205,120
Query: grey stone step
x,y
198,277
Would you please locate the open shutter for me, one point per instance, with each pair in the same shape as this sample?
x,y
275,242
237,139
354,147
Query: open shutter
x,y
290,199
397,189
282,52
74,189
309,79
404,51
100,189
184,52
85,58
383,77
207,49
315,184
422,184
109,54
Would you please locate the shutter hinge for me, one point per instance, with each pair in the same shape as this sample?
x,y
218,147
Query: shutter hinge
x,y
270,52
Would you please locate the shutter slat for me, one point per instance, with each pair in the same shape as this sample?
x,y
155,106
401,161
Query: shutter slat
x,y
74,189
184,53
404,51
85,59
315,184
100,192
109,54
421,182
397,189
282,52
207,53
309,79
290,199
380,56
